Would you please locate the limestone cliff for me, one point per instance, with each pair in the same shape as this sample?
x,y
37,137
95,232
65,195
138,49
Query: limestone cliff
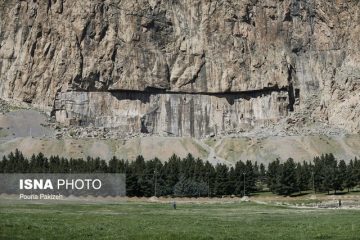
x,y
184,67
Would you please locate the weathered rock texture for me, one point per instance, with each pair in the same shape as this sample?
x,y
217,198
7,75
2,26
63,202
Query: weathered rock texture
x,y
171,114
184,67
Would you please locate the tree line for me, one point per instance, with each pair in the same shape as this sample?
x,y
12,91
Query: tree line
x,y
191,176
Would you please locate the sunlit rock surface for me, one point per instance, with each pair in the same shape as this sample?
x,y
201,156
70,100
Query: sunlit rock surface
x,y
184,68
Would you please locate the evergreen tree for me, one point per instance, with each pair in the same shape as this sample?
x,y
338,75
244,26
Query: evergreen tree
x,y
340,177
231,181
262,177
64,166
4,165
103,166
54,164
287,181
188,166
142,180
272,175
188,187
356,171
318,173
21,164
193,177
350,179
97,165
303,176
210,177
250,178
221,180
11,164
240,169
172,174
113,165
329,173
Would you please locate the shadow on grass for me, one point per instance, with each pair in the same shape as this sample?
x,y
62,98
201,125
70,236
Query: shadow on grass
x,y
340,193
300,194
355,191
305,193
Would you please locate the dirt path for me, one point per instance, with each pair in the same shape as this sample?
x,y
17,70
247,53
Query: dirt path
x,y
213,158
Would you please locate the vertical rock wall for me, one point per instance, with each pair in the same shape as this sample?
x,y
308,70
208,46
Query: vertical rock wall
x,y
255,60
166,114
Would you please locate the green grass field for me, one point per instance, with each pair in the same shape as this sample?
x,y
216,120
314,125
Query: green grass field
x,y
190,221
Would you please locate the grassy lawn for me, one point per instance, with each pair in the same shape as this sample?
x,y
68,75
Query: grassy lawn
x,y
189,221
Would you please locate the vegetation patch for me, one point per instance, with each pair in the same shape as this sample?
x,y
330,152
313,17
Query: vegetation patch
x,y
188,221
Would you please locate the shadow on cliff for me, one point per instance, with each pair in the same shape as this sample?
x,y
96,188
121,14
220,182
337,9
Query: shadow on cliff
x,y
231,97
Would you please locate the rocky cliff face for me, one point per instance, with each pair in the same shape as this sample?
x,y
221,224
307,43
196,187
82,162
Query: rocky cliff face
x,y
184,68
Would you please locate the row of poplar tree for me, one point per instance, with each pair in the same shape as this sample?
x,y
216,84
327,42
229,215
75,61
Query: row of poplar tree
x,y
193,177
